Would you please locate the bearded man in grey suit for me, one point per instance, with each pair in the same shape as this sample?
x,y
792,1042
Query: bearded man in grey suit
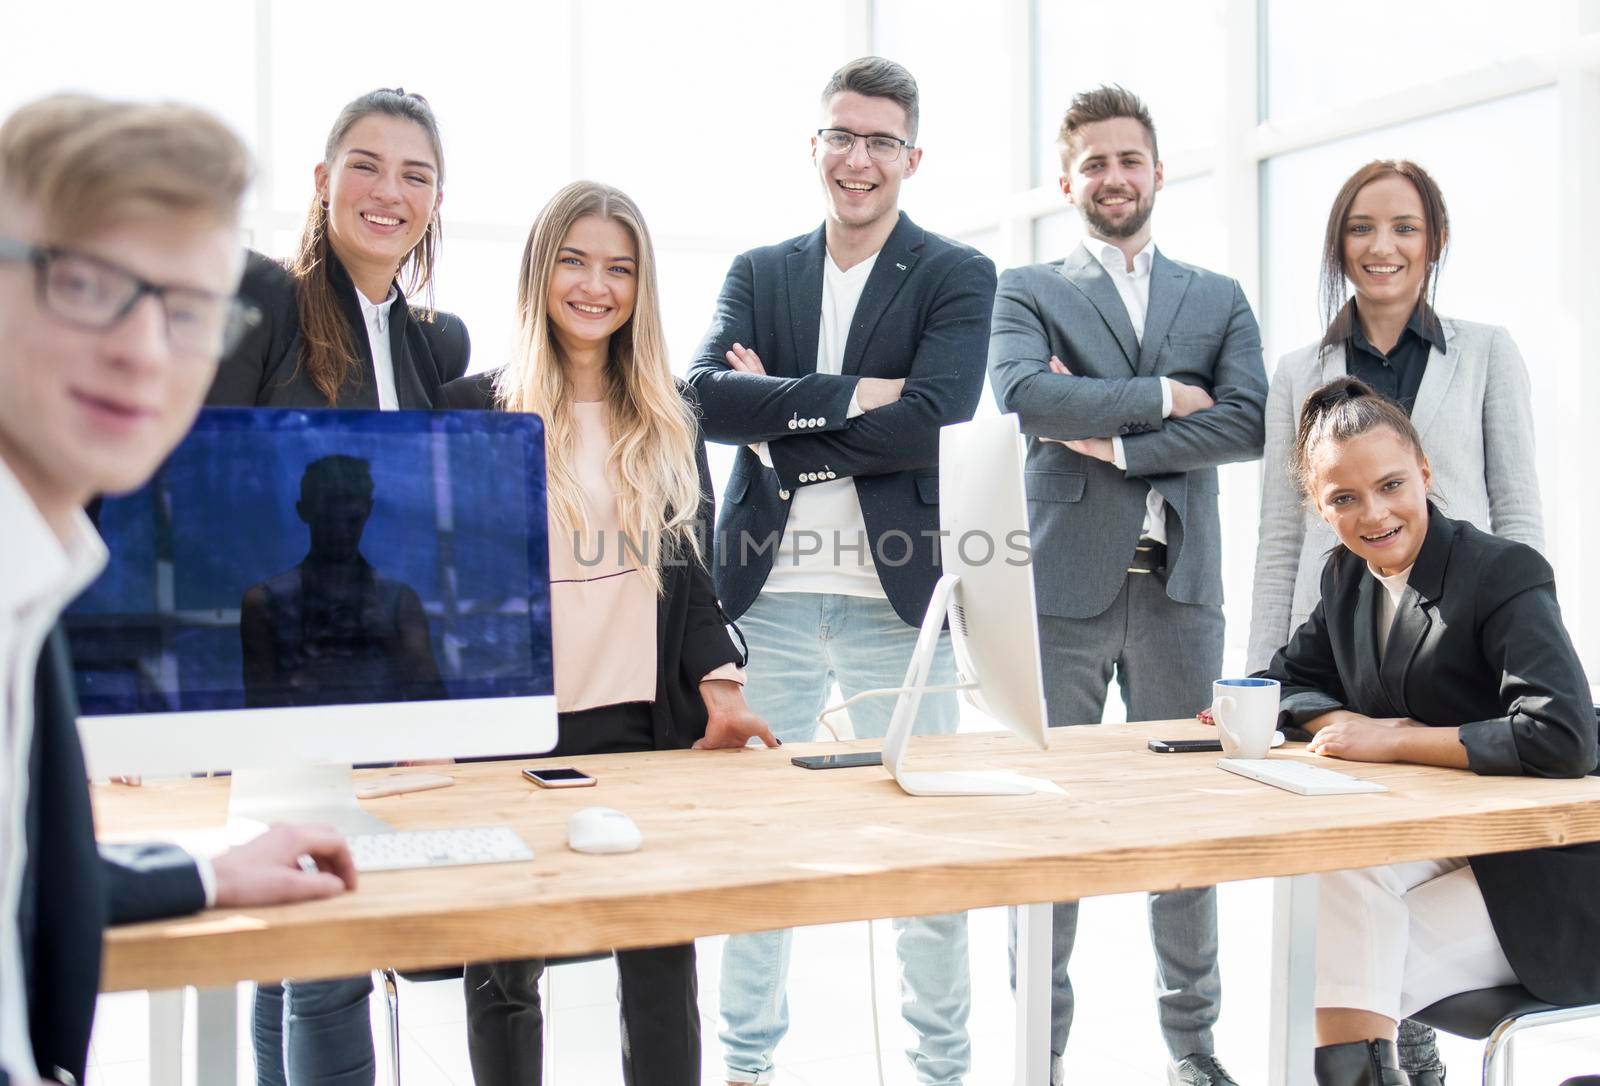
x,y
1134,377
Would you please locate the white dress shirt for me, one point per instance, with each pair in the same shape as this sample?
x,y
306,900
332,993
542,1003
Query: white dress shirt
x,y
1134,290
376,315
829,513
39,576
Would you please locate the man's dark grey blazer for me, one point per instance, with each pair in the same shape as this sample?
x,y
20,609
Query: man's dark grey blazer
x,y
1086,515
923,316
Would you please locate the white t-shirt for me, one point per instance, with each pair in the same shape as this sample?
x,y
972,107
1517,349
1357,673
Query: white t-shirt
x,y
825,546
1394,586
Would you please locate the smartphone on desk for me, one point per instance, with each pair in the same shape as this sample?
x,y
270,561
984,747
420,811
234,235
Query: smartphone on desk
x,y
558,778
1185,746
838,761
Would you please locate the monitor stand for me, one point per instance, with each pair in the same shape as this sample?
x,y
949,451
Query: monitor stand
x,y
904,719
306,792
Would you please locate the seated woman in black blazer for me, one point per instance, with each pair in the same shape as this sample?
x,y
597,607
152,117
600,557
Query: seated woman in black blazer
x,y
1437,644
338,332
337,328
643,659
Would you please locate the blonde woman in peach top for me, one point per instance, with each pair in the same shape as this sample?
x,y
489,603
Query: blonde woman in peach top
x,y
643,658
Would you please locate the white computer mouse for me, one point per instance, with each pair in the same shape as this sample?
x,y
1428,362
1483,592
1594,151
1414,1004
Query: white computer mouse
x,y
601,829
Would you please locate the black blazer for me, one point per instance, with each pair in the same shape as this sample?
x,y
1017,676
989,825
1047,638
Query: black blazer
x,y
265,369
691,629
924,316
69,890
1478,642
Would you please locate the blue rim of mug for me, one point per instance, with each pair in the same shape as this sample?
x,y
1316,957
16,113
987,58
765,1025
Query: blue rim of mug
x,y
1247,682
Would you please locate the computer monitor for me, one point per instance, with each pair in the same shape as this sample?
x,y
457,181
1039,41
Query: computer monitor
x,y
299,590
987,593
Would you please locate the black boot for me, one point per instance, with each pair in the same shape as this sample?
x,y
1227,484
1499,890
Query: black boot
x,y
1419,1054
1359,1063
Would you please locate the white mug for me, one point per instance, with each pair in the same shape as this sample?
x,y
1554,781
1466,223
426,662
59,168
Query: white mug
x,y
1246,712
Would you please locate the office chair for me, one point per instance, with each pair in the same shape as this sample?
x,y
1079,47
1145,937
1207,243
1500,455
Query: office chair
x,y
1495,1016
391,993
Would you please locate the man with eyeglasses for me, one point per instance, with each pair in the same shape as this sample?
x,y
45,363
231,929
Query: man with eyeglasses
x,y
832,361
119,255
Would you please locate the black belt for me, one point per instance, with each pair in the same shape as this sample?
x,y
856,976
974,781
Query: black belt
x,y
1149,556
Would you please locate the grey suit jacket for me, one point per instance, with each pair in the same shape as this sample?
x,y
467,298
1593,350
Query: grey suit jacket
x,y
1475,417
1085,516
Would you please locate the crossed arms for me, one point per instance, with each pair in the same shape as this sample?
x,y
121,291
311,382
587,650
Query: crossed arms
x,y
1203,429
898,427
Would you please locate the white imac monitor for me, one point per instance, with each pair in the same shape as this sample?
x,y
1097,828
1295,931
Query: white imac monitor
x,y
987,592
296,591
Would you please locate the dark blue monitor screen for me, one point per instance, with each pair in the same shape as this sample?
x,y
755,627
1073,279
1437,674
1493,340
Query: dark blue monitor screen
x,y
285,558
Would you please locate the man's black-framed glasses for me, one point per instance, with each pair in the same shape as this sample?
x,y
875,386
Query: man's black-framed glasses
x,y
90,292
839,141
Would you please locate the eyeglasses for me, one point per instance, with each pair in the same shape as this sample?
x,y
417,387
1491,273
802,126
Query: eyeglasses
x,y
92,293
840,141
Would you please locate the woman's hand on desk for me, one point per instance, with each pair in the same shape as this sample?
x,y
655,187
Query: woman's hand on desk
x,y
729,721
1358,738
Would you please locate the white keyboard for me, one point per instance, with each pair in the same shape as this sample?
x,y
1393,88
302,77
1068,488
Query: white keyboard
x,y
437,848
1295,776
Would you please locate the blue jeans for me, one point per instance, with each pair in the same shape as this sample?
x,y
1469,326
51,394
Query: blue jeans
x,y
800,643
328,1032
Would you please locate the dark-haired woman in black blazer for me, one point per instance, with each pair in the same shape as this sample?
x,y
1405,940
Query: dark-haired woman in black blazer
x,y
338,332
337,328
1437,644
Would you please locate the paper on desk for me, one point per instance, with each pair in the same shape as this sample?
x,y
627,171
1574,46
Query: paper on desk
x,y
1001,776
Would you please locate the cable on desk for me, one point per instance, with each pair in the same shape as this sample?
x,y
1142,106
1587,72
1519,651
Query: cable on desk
x,y
945,688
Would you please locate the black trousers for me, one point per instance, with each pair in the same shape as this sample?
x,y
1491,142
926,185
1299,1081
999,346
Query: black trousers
x,y
656,987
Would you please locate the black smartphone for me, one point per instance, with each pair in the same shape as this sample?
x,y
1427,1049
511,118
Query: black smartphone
x,y
1185,746
558,778
838,761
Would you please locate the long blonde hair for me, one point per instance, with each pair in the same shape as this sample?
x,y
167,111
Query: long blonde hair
x,y
651,463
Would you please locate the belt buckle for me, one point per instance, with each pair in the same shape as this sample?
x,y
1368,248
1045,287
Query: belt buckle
x,y
1146,549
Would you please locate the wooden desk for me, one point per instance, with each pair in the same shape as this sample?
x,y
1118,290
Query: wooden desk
x,y
740,841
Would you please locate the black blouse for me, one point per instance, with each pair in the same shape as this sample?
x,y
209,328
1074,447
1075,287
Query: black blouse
x,y
1398,372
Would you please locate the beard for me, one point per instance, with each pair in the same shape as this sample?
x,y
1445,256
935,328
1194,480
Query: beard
x,y
1127,228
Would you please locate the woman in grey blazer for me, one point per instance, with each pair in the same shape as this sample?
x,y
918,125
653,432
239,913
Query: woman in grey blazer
x,y
1464,385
